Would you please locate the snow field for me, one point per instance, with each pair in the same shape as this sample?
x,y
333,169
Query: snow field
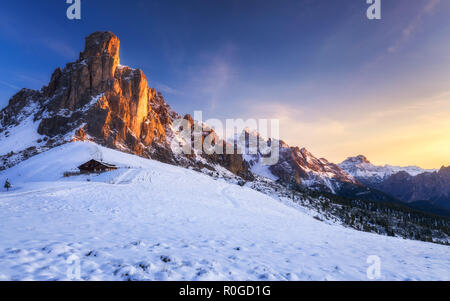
x,y
152,221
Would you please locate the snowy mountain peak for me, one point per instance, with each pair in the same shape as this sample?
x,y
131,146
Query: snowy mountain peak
x,y
361,168
305,152
356,160
445,170
300,166
101,44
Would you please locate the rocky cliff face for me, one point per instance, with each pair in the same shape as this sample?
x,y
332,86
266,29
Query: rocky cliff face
x,y
95,98
98,98
304,168
298,166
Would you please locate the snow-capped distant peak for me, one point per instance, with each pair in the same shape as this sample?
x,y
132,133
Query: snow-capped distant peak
x,y
361,168
360,159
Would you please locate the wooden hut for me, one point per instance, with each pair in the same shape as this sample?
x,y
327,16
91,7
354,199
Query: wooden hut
x,y
96,166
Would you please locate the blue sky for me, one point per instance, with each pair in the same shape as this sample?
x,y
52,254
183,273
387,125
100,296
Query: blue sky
x,y
339,83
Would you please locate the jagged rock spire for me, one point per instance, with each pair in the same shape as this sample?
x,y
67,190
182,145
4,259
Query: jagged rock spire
x,y
101,43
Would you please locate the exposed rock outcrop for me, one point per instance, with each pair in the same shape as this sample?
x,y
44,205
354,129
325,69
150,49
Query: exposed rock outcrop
x,y
101,99
295,165
300,166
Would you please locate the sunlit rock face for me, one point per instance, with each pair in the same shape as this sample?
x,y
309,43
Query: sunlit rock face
x,y
95,98
111,103
300,166
93,73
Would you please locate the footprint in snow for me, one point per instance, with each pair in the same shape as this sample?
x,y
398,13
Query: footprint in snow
x,y
165,259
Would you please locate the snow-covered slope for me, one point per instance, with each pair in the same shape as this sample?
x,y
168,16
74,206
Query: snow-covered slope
x,y
361,168
152,221
22,136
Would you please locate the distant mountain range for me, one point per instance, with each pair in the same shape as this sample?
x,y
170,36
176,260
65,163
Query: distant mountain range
x,y
429,186
299,166
421,188
367,173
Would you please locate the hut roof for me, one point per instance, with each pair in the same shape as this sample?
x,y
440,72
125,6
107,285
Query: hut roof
x,y
97,163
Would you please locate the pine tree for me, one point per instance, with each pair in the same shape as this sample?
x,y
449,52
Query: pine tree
x,y
7,185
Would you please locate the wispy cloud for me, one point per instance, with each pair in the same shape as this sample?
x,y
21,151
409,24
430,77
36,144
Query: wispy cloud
x,y
31,80
409,31
212,77
59,47
166,89
13,30
406,34
413,133
9,85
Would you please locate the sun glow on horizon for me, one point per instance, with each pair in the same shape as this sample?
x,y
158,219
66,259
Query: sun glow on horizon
x,y
416,134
